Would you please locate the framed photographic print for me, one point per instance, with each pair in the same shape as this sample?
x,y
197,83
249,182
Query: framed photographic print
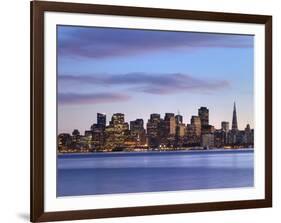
x,y
141,111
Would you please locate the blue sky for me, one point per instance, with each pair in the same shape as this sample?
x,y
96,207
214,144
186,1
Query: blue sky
x,y
139,72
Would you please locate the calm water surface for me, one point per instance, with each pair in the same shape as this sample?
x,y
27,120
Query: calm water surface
x,y
110,173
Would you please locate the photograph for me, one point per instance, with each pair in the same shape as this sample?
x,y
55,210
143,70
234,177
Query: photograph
x,y
146,110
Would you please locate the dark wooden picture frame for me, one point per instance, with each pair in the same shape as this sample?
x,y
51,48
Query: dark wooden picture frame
x,y
38,8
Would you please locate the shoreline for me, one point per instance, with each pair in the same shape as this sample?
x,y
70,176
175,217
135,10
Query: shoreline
x,y
160,151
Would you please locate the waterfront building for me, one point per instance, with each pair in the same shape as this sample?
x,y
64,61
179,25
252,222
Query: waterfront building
x,y
109,137
219,138
153,130
64,142
98,136
237,138
252,140
225,126
180,134
153,125
137,132
64,139
163,130
70,143
207,140
116,132
248,136
240,138
232,137
86,142
193,132
167,130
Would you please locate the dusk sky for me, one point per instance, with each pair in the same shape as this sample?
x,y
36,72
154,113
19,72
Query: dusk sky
x,y
139,72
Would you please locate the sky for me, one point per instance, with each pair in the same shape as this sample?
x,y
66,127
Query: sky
x,y
139,72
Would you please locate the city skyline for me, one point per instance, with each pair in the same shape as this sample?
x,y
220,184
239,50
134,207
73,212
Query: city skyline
x,y
186,119
168,132
139,72
233,123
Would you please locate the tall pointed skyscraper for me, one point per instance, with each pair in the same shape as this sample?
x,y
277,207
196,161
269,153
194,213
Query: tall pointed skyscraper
x,y
234,119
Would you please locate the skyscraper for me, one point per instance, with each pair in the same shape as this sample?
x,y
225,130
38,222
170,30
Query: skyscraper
x,y
203,113
98,136
170,123
234,119
225,126
196,123
136,125
153,130
179,119
168,116
137,131
222,137
116,132
101,119
155,117
117,119
180,130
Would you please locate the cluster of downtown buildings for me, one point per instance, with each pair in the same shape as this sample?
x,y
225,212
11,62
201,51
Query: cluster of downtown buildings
x,y
168,133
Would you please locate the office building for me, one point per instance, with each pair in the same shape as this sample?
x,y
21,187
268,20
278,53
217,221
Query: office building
x,y
207,140
196,124
203,113
101,119
225,126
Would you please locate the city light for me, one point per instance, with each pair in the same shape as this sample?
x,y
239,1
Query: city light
x,y
168,133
